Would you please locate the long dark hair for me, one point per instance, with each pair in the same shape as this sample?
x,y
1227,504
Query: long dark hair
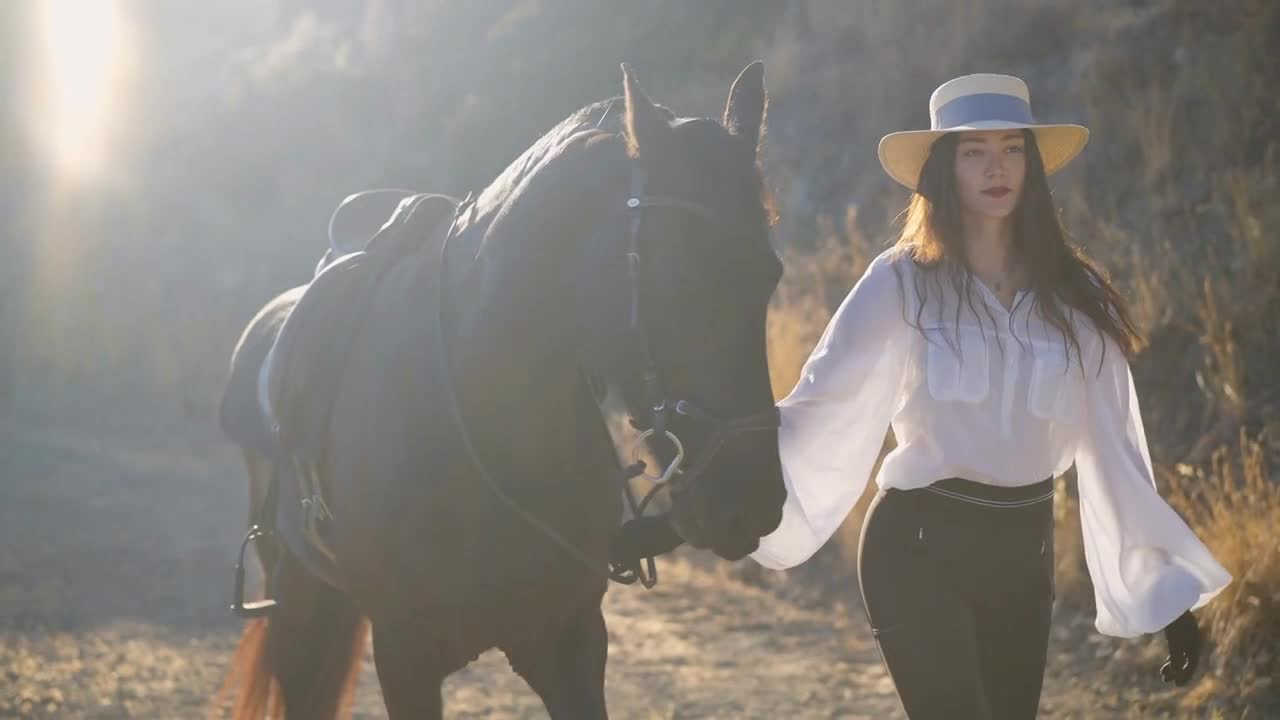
x,y
1062,277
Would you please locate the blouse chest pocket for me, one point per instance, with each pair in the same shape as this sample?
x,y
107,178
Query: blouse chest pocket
x,y
957,364
1056,386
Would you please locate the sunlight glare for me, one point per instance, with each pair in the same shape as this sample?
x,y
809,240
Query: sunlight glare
x,y
82,46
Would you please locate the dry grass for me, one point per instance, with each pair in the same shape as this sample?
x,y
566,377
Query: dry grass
x,y
1234,505
812,286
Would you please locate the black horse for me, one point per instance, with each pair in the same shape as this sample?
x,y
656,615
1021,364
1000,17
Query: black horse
x,y
467,462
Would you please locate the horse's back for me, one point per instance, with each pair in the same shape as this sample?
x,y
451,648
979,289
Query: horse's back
x,y
239,412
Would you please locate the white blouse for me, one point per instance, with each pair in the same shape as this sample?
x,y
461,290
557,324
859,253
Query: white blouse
x,y
1008,409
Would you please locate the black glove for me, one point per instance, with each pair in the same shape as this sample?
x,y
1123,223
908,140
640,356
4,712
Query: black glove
x,y
1183,636
642,537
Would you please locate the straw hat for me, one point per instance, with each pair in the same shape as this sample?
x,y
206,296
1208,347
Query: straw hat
x,y
978,102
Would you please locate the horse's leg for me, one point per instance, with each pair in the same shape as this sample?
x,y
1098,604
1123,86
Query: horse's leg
x,y
409,673
565,667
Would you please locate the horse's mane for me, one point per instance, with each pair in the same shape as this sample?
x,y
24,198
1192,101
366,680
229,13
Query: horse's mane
x,y
503,239
605,115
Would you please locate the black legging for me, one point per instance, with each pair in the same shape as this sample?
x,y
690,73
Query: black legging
x,y
957,581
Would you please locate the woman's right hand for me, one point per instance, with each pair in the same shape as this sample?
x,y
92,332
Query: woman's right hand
x,y
1183,637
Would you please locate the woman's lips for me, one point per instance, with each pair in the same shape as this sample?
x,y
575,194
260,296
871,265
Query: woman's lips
x,y
997,192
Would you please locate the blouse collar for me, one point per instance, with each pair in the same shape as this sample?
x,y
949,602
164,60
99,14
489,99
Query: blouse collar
x,y
994,300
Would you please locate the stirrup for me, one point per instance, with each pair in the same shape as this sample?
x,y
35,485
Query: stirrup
x,y
257,608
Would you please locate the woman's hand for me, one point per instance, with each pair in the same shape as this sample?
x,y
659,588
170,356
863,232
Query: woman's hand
x,y
1183,637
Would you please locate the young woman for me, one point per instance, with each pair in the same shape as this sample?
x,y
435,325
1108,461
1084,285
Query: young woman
x,y
998,353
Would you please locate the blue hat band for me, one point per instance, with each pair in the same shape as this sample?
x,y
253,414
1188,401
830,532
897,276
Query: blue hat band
x,y
982,107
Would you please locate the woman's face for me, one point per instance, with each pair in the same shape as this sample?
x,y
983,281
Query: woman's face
x,y
990,167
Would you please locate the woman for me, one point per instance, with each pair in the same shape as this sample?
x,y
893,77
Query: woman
x,y
997,351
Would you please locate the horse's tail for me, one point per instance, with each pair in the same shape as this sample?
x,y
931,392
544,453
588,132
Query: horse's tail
x,y
302,661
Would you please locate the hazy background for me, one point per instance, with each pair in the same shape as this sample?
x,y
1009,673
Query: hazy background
x,y
169,166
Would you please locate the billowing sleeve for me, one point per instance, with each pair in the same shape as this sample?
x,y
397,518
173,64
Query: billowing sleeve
x,y
834,420
1147,566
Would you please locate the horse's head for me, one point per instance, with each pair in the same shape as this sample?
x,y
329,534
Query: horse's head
x,y
674,298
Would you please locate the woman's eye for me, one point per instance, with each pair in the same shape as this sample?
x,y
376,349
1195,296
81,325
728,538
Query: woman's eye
x,y
1014,148
972,152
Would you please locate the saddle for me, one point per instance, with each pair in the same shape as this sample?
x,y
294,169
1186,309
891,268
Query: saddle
x,y
301,375
357,220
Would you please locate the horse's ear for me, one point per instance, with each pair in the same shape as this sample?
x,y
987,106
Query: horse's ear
x,y
644,122
744,112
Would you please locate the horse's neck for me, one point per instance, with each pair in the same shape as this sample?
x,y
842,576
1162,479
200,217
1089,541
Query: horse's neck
x,y
518,296
517,352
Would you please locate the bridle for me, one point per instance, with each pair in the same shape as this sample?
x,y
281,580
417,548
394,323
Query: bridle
x,y
659,404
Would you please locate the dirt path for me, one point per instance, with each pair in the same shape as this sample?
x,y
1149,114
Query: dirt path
x,y
115,566
698,646
114,563
695,647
